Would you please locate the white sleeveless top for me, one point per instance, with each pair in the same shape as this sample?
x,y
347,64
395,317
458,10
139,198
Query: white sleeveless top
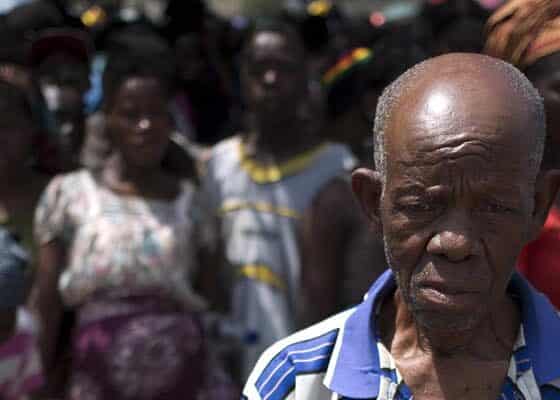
x,y
260,211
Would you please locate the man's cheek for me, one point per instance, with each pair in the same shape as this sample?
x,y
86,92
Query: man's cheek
x,y
493,242
406,245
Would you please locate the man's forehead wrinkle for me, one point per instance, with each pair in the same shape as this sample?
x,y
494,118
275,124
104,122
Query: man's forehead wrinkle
x,y
412,187
418,166
432,149
420,180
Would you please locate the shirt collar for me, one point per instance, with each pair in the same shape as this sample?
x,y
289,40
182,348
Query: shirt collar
x,y
354,370
541,324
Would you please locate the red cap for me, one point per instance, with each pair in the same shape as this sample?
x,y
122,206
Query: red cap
x,y
69,41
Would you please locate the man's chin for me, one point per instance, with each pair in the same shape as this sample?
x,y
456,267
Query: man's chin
x,y
444,323
450,313
443,299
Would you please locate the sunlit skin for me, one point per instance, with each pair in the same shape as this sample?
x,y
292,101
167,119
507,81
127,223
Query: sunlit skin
x,y
460,200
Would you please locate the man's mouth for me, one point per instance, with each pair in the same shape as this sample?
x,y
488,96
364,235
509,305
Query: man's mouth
x,y
449,288
448,296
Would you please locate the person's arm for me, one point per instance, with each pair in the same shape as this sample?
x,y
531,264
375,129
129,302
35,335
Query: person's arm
x,y
48,304
341,257
209,249
326,227
210,259
49,224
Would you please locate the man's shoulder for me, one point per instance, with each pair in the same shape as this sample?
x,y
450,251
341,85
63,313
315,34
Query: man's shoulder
x,y
222,158
338,157
306,352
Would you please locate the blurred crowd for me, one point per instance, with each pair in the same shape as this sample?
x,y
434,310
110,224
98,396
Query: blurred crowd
x,y
175,192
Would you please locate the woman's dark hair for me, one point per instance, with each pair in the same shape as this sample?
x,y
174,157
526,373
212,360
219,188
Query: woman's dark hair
x,y
153,59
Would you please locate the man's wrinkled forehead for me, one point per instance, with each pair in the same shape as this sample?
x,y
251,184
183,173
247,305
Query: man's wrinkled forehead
x,y
455,116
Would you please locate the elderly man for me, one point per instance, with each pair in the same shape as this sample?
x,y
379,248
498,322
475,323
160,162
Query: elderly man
x,y
458,193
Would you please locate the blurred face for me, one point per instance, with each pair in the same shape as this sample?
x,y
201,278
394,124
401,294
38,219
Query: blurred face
x,y
458,201
191,62
139,121
63,70
16,133
67,109
274,76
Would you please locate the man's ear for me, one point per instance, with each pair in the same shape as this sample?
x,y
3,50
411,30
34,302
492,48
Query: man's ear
x,y
367,186
547,186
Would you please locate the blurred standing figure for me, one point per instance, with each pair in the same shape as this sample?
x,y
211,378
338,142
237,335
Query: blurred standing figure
x,y
526,33
278,191
21,183
60,60
120,248
203,100
202,105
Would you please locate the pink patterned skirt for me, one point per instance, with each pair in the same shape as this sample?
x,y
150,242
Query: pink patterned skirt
x,y
141,347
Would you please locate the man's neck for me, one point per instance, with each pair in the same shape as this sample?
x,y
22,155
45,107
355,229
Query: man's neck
x,y
121,172
275,143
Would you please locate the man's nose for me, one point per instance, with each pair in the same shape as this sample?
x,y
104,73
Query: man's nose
x,y
144,124
455,245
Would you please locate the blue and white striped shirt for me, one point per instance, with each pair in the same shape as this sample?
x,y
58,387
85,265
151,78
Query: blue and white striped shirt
x,y
341,358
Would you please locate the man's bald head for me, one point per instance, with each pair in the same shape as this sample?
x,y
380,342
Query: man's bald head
x,y
468,81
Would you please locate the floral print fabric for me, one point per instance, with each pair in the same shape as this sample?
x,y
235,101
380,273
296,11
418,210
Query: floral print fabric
x,y
116,241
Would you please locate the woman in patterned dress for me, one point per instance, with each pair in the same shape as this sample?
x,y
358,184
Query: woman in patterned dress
x,y
119,247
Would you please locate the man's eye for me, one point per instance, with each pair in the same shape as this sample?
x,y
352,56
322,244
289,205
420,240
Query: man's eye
x,y
495,208
419,207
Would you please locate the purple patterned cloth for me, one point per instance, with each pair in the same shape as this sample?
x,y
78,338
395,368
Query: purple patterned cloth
x,y
141,347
